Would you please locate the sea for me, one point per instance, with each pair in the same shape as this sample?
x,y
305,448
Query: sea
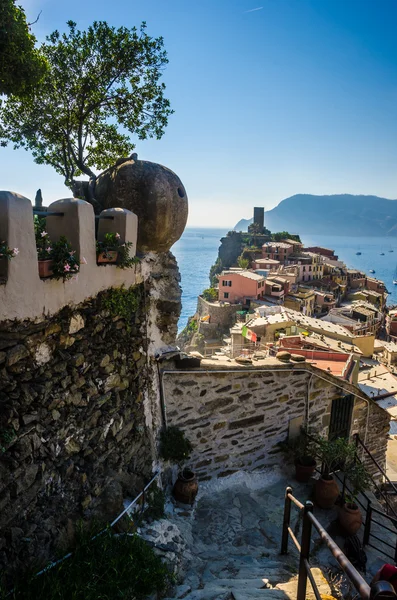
x,y
197,250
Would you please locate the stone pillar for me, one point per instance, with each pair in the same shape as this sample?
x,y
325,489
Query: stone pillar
x,y
123,222
77,224
17,231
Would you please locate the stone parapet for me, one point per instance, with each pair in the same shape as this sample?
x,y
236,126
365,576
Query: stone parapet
x,y
23,295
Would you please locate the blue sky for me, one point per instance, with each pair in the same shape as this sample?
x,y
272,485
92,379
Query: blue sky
x,y
299,96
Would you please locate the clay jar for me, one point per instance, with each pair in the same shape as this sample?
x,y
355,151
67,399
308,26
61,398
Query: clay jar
x,y
304,468
186,487
350,518
326,492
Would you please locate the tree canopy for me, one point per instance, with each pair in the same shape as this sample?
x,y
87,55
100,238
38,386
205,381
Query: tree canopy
x,y
21,65
101,85
285,235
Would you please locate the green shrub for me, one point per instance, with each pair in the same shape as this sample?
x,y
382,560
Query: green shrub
x,y
155,500
174,445
210,294
106,568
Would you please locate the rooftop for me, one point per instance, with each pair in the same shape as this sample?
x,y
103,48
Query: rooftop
x,y
276,244
246,274
267,261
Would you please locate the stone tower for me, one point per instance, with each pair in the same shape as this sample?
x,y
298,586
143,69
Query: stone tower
x,y
259,216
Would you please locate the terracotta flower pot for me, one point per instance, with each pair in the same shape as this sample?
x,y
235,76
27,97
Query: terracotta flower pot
x,y
186,487
45,268
326,492
107,257
304,468
350,518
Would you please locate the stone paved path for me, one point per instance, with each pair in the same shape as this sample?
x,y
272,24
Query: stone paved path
x,y
229,543
233,542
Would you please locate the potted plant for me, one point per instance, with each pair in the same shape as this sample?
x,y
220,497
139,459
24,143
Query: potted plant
x,y
107,249
303,451
350,516
43,247
175,447
65,263
112,250
333,455
7,253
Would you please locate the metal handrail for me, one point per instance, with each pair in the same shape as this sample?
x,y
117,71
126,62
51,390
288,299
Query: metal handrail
x,y
309,520
128,508
358,441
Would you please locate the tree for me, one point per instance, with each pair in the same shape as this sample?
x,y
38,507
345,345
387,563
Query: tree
x,y
21,65
210,294
97,80
243,262
284,235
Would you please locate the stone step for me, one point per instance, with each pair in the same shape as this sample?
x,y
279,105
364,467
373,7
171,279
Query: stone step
x,y
233,582
274,575
265,594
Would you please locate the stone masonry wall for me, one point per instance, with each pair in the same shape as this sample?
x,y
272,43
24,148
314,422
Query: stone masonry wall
x,y
222,315
236,418
73,430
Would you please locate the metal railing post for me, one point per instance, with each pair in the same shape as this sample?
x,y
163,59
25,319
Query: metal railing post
x,y
367,525
305,551
286,521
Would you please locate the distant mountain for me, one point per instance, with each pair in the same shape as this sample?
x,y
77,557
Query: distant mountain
x,y
242,225
341,214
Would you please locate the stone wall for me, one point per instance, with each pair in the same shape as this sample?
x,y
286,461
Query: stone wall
x,y
80,410
73,431
223,315
235,417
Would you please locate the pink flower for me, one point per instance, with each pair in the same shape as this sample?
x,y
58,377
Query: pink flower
x,y
15,251
66,267
83,261
117,236
73,252
48,249
44,233
76,268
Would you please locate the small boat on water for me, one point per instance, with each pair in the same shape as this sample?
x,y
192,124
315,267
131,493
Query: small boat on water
x,y
395,277
391,250
382,253
371,271
358,253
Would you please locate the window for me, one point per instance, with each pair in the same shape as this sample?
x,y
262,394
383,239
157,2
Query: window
x,y
310,268
226,294
304,269
226,283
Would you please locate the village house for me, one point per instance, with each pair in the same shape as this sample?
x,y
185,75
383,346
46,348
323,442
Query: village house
x,y
302,300
277,251
327,252
391,324
323,353
240,286
265,264
310,265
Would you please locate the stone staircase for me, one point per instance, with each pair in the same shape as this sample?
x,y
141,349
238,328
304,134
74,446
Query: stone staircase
x,y
248,576
232,549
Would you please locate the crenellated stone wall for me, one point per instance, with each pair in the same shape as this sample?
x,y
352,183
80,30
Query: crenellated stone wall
x,y
235,416
23,295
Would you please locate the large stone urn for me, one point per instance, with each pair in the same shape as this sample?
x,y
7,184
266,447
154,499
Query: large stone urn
x,y
154,193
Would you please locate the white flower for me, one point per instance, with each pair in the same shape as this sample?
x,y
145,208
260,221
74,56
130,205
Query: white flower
x,y
44,233
15,251
117,236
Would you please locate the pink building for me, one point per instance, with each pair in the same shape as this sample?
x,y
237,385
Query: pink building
x,y
277,251
237,287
